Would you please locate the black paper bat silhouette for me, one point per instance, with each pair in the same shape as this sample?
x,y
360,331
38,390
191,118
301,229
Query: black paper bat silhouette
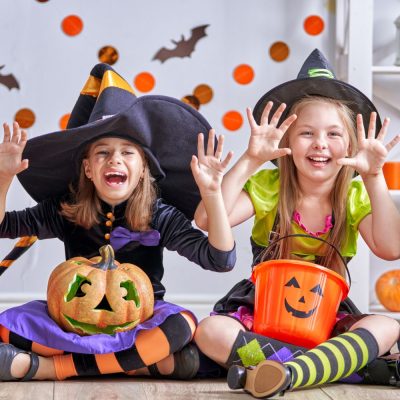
x,y
183,48
8,80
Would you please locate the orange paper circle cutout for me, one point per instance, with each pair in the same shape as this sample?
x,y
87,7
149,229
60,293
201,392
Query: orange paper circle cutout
x,y
72,25
232,120
108,54
314,25
144,82
279,51
192,101
204,93
64,121
25,117
243,74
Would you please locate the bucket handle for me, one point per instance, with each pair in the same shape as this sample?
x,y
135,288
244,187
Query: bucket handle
x,y
316,238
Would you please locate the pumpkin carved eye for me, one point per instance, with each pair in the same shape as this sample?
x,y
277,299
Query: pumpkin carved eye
x,y
75,288
317,289
131,292
293,282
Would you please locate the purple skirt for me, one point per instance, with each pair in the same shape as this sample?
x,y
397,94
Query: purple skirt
x,y
32,321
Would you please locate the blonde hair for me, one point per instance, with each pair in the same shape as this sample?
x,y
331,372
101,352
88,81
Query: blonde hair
x,y
85,206
289,194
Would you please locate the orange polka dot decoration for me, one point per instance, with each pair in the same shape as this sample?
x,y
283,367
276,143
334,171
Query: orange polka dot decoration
x,y
64,121
279,51
108,55
72,25
243,74
192,101
232,120
25,118
144,82
314,25
203,93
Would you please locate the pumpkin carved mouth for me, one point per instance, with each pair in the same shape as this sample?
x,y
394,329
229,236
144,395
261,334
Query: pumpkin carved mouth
x,y
91,329
297,313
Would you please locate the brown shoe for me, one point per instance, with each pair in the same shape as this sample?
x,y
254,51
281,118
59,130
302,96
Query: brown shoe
x,y
265,380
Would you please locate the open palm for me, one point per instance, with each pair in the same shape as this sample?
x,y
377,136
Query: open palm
x,y
372,152
11,149
265,138
208,168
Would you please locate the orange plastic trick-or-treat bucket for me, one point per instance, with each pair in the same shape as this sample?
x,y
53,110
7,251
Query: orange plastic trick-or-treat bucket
x,y
391,172
296,301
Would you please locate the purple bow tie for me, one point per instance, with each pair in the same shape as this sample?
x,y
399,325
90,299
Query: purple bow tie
x,y
121,236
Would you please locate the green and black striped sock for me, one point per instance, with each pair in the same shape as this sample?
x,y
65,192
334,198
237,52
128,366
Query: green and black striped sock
x,y
334,359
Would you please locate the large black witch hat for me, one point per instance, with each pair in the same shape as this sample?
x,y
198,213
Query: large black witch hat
x,y
164,127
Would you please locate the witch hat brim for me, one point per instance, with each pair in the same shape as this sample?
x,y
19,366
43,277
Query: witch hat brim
x,y
316,78
164,127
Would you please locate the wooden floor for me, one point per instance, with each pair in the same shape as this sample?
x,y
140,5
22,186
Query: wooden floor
x,y
147,389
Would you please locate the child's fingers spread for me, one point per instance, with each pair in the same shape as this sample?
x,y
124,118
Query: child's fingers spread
x,y
266,112
200,145
227,159
382,133
277,115
285,151
360,128
351,162
210,142
287,122
372,125
194,165
393,143
250,118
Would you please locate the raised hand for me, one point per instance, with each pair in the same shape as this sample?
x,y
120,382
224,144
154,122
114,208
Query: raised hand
x,y
265,138
372,153
208,168
11,149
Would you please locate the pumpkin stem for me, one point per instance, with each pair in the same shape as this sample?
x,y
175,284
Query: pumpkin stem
x,y
107,258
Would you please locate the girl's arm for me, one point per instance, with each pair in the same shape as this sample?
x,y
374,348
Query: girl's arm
x,y
381,228
10,160
208,171
263,146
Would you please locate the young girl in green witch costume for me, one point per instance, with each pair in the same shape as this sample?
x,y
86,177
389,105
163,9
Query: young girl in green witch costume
x,y
94,184
318,146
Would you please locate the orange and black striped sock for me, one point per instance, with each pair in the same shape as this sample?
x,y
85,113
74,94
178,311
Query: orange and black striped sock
x,y
150,347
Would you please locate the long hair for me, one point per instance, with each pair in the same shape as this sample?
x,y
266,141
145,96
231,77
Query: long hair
x,y
289,194
85,207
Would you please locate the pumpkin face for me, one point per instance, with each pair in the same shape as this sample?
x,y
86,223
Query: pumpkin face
x,y
387,289
99,295
298,300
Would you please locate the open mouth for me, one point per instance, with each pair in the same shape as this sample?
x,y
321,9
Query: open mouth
x,y
319,160
115,178
91,329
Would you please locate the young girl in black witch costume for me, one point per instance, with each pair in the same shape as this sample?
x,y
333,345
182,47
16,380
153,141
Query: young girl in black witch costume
x,y
318,148
115,147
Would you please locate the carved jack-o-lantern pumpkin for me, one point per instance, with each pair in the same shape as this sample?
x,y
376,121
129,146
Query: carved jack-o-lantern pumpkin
x,y
99,295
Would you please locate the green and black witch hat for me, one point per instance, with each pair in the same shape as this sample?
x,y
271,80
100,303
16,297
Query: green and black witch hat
x,y
316,78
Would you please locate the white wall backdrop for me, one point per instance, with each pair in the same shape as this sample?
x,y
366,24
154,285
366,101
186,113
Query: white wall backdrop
x,y
51,68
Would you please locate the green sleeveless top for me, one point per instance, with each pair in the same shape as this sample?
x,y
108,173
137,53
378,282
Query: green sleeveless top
x,y
263,189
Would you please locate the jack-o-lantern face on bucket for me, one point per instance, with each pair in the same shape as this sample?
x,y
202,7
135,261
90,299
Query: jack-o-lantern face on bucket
x,y
99,295
297,299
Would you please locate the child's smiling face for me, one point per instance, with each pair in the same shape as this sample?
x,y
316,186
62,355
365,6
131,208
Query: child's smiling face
x,y
115,166
318,138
